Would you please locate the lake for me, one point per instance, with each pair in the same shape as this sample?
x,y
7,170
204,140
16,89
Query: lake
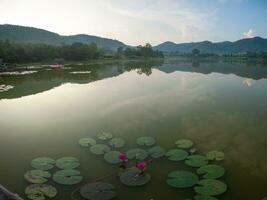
x,y
217,105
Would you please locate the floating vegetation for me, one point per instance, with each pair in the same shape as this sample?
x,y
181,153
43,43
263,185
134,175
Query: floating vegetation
x,y
182,179
98,191
81,72
134,177
176,154
37,176
43,163
146,141
210,187
40,191
67,163
156,152
138,154
117,142
215,155
86,142
18,73
204,197
196,161
67,177
4,88
112,157
104,136
99,149
211,171
184,143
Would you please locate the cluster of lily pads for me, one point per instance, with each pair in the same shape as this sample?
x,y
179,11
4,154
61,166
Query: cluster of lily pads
x,y
204,179
40,175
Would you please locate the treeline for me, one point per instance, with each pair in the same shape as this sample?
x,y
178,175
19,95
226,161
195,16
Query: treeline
x,y
145,51
26,52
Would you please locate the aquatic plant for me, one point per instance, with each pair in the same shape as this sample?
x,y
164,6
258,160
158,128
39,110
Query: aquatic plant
x,y
184,143
99,149
67,163
104,136
86,142
98,191
210,187
146,141
37,176
196,161
156,152
40,191
43,163
67,177
176,154
182,179
211,171
132,177
117,142
215,155
138,154
112,157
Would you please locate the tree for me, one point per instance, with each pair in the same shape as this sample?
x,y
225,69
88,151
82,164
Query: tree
x,y
195,52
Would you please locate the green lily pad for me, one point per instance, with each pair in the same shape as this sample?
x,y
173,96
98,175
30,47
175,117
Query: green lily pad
x,y
215,155
112,157
184,143
117,142
146,141
138,154
210,187
196,161
40,191
98,191
182,179
132,177
204,197
86,142
211,171
99,149
176,154
67,163
156,152
43,163
37,176
67,177
104,136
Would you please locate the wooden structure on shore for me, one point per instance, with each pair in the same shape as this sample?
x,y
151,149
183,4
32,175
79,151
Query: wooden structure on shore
x,y
5,194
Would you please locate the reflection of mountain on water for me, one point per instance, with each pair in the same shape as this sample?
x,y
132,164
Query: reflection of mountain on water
x,y
245,70
45,80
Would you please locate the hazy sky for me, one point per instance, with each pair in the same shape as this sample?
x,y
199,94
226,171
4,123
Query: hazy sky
x,y
140,21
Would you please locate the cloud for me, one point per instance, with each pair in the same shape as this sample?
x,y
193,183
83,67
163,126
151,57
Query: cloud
x,y
249,34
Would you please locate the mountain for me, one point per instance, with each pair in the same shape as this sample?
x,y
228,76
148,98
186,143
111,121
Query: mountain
x,y
33,35
240,46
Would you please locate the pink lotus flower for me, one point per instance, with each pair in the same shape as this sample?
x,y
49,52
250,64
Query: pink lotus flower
x,y
122,157
141,166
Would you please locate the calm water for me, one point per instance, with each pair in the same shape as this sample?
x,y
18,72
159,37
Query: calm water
x,y
218,105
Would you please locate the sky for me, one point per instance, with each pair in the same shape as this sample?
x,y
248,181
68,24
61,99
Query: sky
x,y
137,22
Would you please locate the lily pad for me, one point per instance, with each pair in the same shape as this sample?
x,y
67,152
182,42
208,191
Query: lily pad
x,y
43,163
204,197
67,177
182,179
215,155
176,154
67,163
104,136
211,171
210,187
196,161
146,141
112,157
99,149
138,154
184,143
117,142
86,142
40,191
132,177
98,191
156,152
37,176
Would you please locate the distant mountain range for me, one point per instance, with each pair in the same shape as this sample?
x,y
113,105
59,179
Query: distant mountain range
x,y
240,46
33,35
